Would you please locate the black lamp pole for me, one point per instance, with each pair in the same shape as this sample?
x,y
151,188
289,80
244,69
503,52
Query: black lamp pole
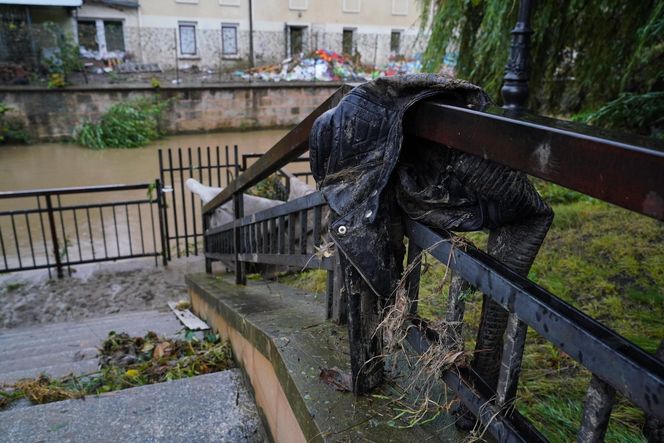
x,y
515,81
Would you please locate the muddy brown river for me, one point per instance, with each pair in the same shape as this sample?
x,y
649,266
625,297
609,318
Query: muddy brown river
x,y
105,232
54,165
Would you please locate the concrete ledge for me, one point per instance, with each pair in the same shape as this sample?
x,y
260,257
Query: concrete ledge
x,y
281,340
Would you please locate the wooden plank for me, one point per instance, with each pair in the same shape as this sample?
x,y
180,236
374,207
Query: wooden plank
x,y
188,318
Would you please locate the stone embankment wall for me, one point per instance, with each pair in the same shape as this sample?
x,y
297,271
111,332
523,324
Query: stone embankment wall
x,y
52,114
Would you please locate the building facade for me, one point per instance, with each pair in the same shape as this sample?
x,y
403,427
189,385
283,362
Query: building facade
x,y
231,34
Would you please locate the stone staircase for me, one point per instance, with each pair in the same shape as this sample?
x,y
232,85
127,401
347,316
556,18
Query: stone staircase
x,y
63,348
213,407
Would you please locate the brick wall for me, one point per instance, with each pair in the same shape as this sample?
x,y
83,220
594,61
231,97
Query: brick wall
x,y
52,114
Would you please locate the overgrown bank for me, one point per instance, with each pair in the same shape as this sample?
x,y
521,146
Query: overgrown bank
x,y
53,114
604,260
125,125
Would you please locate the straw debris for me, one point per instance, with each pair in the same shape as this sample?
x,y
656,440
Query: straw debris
x,y
445,353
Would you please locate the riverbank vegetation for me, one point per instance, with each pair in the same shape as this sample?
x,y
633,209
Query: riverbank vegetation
x,y
605,261
12,128
124,125
573,71
127,362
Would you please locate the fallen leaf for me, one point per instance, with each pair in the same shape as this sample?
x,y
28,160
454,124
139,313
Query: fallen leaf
x,y
163,348
451,358
183,305
335,377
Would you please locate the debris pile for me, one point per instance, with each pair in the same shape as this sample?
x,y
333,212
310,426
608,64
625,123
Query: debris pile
x,y
125,362
324,65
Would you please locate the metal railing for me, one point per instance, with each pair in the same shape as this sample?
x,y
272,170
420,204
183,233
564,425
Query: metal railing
x,y
625,172
40,231
210,166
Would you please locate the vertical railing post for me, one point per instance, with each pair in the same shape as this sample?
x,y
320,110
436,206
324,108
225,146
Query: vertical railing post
x,y
161,210
54,236
364,311
515,81
208,262
596,411
238,213
339,300
413,278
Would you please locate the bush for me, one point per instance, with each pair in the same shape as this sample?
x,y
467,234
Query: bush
x,y
125,125
65,60
641,113
12,128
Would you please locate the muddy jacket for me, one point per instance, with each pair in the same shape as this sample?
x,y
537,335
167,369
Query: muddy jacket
x,y
370,176
354,149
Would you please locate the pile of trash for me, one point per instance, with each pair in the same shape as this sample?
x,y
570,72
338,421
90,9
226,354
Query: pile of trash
x,y
324,65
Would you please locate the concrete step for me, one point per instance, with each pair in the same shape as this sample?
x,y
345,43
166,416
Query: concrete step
x,y
213,407
46,348
58,370
71,347
70,332
17,362
74,327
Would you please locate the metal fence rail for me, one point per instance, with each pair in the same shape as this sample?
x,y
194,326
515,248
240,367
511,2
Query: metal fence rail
x,y
210,166
622,171
181,210
42,232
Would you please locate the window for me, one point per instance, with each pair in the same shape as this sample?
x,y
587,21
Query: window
x,y
114,36
98,37
399,7
296,40
187,38
351,6
395,42
87,35
298,5
347,42
229,39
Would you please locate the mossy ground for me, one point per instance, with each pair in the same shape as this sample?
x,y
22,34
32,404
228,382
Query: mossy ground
x,y
606,261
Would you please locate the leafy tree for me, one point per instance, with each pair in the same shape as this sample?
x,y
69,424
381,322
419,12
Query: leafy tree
x,y
602,59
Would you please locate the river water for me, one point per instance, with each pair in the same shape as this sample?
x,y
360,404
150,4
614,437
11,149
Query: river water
x,y
55,165
108,231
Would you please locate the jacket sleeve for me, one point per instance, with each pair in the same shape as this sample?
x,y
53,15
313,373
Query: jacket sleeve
x,y
320,144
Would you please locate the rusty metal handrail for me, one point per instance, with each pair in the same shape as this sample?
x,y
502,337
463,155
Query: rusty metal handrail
x,y
619,169
291,146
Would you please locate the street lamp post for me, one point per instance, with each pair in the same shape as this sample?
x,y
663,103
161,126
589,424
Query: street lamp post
x,y
515,81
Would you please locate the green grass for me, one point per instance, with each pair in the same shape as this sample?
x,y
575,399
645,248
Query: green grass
x,y
607,262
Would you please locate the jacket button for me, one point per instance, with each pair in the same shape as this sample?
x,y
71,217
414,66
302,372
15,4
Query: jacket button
x,y
368,214
342,230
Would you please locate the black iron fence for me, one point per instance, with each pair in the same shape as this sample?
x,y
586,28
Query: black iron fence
x,y
211,166
623,172
59,228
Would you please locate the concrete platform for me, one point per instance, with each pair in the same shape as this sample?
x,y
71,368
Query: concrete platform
x,y
281,339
